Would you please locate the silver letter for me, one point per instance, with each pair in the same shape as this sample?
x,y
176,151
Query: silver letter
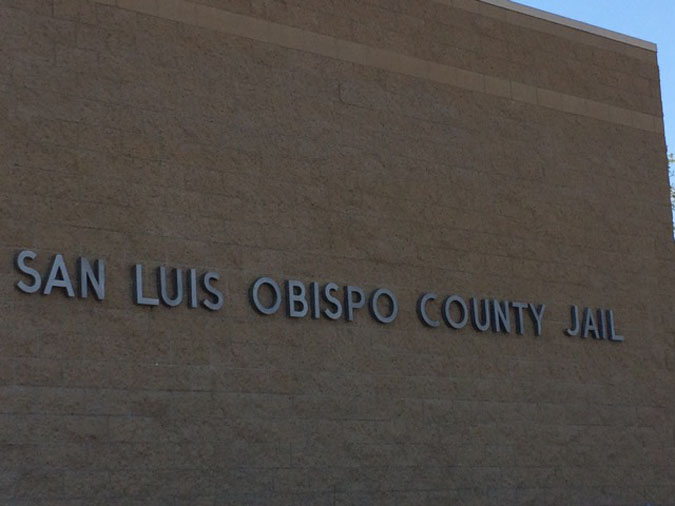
x,y
374,310
519,306
351,303
138,289
447,314
613,336
574,316
537,314
218,299
58,277
314,292
481,326
255,298
601,324
87,278
163,292
589,324
192,288
295,295
337,312
501,318
20,263
422,310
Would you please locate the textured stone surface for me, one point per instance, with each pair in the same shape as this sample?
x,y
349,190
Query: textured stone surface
x,y
410,144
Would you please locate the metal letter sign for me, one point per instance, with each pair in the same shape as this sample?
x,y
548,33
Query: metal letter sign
x,y
171,287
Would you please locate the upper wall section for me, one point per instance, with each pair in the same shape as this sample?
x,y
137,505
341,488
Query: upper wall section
x,y
560,20
470,44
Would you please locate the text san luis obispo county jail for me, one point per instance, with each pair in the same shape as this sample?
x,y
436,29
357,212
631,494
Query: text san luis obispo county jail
x,y
175,287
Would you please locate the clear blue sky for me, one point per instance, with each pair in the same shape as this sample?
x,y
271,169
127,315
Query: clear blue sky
x,y
652,20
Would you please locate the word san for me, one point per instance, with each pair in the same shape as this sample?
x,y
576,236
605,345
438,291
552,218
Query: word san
x,y
88,276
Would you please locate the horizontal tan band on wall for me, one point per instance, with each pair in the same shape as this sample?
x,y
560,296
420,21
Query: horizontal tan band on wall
x,y
295,38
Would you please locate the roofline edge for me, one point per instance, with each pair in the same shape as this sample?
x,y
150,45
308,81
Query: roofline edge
x,y
572,23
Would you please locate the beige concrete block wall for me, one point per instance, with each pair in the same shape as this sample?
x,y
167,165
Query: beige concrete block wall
x,y
453,147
